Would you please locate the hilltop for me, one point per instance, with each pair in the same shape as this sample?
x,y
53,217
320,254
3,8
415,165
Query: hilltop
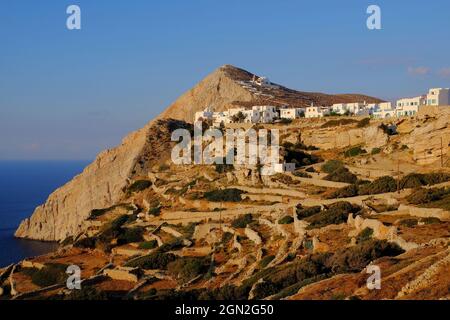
x,y
229,86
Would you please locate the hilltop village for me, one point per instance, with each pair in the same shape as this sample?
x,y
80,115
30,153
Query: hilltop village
x,y
268,114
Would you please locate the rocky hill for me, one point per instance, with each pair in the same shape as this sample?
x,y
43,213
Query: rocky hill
x,y
101,183
229,86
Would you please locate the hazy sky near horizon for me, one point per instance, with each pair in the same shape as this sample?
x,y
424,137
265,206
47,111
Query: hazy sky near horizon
x,y
70,94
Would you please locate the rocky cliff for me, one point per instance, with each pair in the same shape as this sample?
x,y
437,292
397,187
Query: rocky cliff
x,y
101,183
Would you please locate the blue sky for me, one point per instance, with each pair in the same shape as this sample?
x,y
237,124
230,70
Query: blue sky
x,y
70,94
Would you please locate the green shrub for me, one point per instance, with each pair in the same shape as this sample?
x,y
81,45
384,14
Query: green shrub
x,y
364,235
356,258
336,213
153,261
226,237
345,192
300,158
338,122
139,185
310,169
363,123
242,221
301,174
85,243
50,274
416,180
430,220
303,213
423,196
226,195
381,185
152,244
130,235
188,268
410,223
86,294
341,174
354,151
265,261
155,211
332,165
171,245
375,151
286,220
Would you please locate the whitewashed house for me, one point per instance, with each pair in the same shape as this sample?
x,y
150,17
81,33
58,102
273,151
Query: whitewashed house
x,y
291,113
284,167
384,110
339,108
267,113
438,97
356,108
221,118
316,112
252,116
407,107
205,115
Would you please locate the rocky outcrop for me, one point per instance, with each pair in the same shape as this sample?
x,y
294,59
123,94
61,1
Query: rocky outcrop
x,y
335,137
101,184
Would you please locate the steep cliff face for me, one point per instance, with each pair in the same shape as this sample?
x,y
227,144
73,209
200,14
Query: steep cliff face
x,y
229,86
100,184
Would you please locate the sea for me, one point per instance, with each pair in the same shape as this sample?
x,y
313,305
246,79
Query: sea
x,y
23,186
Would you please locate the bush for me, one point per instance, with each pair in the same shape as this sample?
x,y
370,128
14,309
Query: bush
x,y
363,123
148,244
356,258
242,221
303,213
331,165
381,185
171,245
409,223
286,220
187,268
85,243
130,235
375,151
336,213
226,195
341,174
50,274
345,192
364,235
416,180
226,237
300,158
139,185
338,122
265,261
153,261
354,151
430,220
422,196
301,174
310,169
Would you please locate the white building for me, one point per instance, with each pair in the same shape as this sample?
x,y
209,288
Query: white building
x,y
204,115
221,118
409,106
438,97
267,113
284,167
291,113
252,116
339,108
356,107
316,112
383,110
